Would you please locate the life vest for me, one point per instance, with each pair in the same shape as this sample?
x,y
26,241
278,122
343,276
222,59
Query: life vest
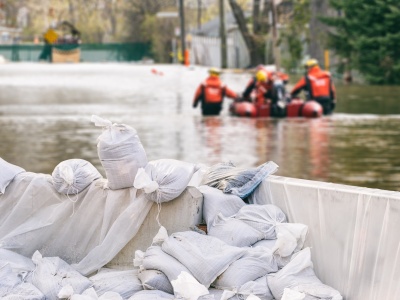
x,y
213,90
319,83
260,89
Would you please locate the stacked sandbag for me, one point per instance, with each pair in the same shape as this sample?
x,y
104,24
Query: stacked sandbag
x,y
19,264
123,282
12,286
121,153
164,179
298,275
206,257
51,274
72,176
7,173
152,295
156,259
255,263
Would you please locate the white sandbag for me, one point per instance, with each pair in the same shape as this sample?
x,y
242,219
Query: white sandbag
x,y
52,273
215,202
156,259
67,292
269,245
124,282
152,295
258,287
205,256
234,232
72,176
254,264
121,153
262,217
290,238
8,279
299,275
164,179
7,173
155,280
12,287
187,287
289,294
19,264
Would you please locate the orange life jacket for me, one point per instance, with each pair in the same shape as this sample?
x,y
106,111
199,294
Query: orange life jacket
x,y
319,82
213,90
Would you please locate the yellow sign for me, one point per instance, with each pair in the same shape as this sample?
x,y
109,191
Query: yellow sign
x,y
51,36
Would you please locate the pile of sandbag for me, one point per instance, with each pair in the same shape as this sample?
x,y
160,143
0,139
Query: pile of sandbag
x,y
249,252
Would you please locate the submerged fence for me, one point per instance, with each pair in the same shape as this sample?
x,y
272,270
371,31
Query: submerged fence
x,y
88,52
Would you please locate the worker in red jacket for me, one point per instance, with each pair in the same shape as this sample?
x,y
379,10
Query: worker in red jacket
x,y
260,84
318,85
211,94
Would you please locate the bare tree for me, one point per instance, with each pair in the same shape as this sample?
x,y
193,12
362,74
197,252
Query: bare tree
x,y
251,43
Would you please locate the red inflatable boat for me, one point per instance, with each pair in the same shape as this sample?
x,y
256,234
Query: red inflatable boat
x,y
295,108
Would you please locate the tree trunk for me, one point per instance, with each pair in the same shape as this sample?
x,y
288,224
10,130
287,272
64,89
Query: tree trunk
x,y
256,17
255,56
318,30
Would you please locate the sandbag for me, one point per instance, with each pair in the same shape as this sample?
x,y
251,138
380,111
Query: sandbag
x,y
52,273
155,280
299,276
164,179
7,173
262,217
121,153
237,181
255,263
234,232
205,256
18,263
152,295
156,259
12,287
124,282
72,176
215,202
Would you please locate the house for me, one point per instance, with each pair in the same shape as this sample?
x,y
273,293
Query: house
x,y
205,44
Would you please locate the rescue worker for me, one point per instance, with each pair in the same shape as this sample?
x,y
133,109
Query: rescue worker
x,y
261,83
211,94
318,86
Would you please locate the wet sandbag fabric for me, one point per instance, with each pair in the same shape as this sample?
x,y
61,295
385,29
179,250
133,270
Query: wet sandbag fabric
x,y
72,176
7,173
121,153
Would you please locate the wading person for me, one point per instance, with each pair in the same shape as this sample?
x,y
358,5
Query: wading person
x,y
211,94
318,86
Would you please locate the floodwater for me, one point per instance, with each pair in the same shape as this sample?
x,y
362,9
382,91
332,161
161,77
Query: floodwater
x,y
45,112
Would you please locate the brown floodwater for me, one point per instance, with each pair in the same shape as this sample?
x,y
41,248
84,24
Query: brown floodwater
x,y
45,112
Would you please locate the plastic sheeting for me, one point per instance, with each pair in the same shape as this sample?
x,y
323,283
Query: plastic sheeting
x,y
86,230
353,233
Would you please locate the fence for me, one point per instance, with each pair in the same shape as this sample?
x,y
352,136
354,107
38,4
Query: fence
x,y
89,52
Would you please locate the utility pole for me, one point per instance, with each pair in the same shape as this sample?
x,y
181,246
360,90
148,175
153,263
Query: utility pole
x,y
222,34
275,47
199,7
182,19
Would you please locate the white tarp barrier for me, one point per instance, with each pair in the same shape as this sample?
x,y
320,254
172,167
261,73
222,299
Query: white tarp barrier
x,y
352,232
87,231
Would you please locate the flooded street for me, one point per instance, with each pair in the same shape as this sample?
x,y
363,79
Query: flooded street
x,y
45,113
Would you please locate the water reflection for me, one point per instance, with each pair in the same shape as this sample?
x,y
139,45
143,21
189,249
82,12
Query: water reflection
x,y
42,125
